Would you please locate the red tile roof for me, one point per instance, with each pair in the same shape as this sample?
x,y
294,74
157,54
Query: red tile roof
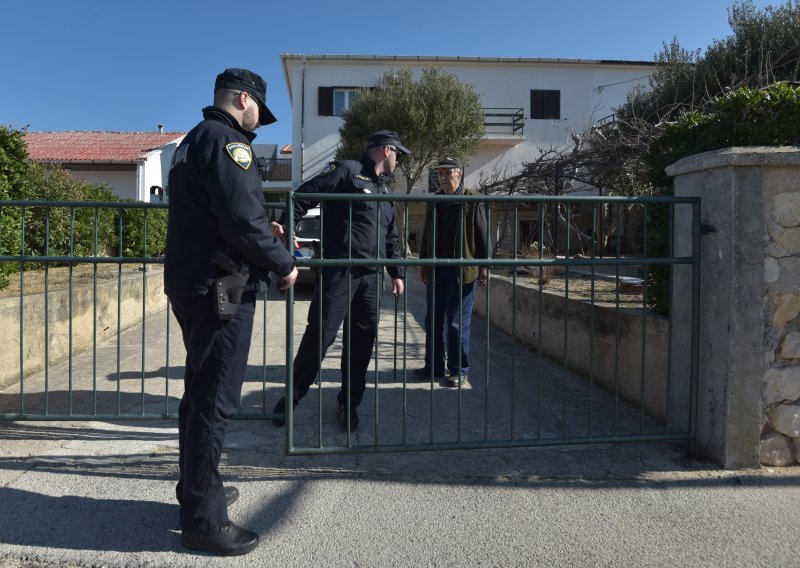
x,y
92,146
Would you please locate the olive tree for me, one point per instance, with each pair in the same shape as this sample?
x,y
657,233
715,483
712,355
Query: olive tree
x,y
437,116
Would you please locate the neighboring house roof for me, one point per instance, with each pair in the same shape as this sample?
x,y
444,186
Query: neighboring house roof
x,y
94,146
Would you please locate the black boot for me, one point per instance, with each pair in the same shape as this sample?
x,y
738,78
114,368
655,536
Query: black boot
x,y
228,540
280,408
342,416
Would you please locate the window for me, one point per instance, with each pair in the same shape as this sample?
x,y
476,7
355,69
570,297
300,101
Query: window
x,y
333,101
342,99
545,104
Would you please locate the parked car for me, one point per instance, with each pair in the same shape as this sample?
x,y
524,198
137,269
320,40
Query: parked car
x,y
307,233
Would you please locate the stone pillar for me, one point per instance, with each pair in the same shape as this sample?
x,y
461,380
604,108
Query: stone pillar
x,y
749,375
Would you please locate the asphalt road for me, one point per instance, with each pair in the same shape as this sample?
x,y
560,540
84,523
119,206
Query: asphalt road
x,y
101,493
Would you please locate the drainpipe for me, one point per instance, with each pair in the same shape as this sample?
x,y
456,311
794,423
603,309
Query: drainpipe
x,y
140,193
302,119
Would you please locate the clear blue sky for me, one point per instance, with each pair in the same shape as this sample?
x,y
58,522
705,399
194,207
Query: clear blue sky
x,y
129,66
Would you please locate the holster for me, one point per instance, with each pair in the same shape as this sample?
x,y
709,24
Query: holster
x,y
228,292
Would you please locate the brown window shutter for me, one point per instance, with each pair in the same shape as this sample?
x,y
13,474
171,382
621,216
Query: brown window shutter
x,y
545,104
325,101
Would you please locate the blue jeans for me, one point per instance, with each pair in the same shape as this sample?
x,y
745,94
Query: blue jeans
x,y
447,321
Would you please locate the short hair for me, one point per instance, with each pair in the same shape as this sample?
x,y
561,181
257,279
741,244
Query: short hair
x,y
222,97
373,151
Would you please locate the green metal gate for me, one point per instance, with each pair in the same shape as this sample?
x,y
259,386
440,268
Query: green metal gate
x,y
89,336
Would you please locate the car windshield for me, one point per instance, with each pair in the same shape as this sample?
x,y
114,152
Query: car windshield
x,y
308,228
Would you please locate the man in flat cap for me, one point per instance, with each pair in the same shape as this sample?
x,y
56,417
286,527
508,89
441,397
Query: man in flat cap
x,y
220,249
351,229
450,290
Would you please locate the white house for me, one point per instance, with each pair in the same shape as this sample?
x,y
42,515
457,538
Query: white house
x,y
134,164
529,103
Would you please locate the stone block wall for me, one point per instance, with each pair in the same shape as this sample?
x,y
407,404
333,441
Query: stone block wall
x,y
749,376
780,436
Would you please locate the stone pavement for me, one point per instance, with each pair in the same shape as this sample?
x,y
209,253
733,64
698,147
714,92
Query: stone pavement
x,y
101,493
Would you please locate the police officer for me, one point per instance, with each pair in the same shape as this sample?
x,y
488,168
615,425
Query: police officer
x,y
349,231
218,254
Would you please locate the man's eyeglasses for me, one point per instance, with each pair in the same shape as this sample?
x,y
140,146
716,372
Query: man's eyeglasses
x,y
446,173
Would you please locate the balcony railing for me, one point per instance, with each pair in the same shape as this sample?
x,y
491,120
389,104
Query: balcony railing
x,y
509,121
276,169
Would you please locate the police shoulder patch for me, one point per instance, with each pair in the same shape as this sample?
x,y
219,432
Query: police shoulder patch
x,y
240,153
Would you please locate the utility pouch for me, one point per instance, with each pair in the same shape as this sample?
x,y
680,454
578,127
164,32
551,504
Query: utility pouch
x,y
228,292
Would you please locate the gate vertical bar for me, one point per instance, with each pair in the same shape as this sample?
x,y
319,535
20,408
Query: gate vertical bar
x,y
646,268
46,313
94,310
695,356
69,309
22,316
593,314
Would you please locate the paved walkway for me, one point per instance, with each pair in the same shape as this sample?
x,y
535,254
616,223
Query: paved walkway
x,y
102,493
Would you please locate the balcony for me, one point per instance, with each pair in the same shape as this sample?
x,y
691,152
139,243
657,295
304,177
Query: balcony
x,y
275,169
504,126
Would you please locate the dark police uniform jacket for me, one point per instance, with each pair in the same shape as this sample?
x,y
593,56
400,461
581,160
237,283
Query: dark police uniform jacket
x,y
215,204
358,178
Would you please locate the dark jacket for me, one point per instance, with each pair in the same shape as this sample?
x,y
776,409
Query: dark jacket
x,y
216,204
476,243
368,240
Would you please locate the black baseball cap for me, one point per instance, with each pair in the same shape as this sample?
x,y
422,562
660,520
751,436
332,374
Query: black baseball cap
x,y
387,138
246,80
449,164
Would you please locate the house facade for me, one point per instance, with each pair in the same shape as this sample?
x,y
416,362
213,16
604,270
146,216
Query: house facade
x,y
528,103
134,164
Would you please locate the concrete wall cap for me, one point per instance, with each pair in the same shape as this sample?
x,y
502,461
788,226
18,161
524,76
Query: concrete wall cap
x,y
737,156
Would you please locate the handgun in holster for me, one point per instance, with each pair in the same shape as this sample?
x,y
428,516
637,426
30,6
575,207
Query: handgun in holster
x,y
228,289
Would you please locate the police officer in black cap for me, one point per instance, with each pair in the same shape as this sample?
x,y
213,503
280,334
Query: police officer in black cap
x,y
219,251
342,238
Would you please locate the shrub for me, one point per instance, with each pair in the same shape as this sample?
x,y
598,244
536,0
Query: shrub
x,y
744,117
134,221
57,230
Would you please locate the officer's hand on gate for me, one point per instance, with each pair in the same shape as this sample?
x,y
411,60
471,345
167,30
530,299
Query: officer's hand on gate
x,y
286,282
483,276
398,286
279,232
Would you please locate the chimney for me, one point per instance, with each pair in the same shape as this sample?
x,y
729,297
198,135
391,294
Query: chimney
x,y
161,129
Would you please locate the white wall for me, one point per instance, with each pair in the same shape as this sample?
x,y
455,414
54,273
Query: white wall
x,y
589,91
133,183
122,182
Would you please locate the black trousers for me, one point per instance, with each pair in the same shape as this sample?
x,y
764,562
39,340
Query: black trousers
x,y
216,361
354,303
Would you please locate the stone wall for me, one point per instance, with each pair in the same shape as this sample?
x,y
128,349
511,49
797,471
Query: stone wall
x,y
780,437
77,318
749,383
